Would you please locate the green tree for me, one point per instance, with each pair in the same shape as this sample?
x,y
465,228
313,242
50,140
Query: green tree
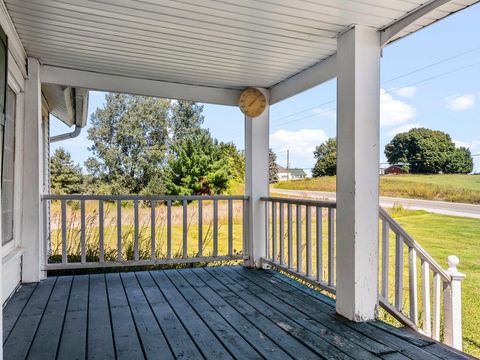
x,y
196,166
460,162
236,160
326,158
428,151
129,135
66,177
272,167
186,116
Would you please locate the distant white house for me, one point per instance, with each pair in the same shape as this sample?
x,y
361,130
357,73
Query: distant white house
x,y
290,174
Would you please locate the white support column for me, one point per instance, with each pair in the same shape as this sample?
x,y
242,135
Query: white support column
x,y
452,298
358,112
33,177
256,181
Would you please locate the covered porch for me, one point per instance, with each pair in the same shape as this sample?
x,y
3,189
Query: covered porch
x,y
202,313
214,52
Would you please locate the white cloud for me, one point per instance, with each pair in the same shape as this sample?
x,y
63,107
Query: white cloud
x,y
301,143
403,128
472,145
407,91
460,102
393,111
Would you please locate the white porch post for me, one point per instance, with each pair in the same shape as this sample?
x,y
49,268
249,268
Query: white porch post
x,y
33,177
452,298
358,112
256,181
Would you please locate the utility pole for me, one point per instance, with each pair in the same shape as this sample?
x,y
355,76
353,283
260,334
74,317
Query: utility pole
x,y
288,165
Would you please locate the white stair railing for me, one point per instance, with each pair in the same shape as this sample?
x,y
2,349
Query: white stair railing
x,y
301,242
424,307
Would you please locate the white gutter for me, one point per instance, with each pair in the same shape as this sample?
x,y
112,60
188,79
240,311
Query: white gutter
x,y
76,101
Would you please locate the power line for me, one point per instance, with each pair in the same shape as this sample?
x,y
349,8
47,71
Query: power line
x,y
387,91
431,65
390,80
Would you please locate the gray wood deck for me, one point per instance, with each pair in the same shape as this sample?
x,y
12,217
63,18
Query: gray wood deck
x,y
203,313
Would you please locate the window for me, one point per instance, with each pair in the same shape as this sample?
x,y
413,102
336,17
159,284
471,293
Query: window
x,y
8,168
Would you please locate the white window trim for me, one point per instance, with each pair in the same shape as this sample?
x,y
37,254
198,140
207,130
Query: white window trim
x,y
16,82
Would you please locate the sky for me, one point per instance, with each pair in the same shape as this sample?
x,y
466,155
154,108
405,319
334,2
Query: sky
x,y
428,79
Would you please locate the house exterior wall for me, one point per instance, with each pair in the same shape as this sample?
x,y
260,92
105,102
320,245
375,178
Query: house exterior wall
x,y
12,251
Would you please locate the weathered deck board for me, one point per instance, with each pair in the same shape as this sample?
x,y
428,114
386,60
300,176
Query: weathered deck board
x,y
200,313
23,333
14,308
151,336
73,343
50,328
100,336
206,341
127,344
266,347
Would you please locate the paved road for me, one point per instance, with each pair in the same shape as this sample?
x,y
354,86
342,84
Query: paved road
x,y
437,207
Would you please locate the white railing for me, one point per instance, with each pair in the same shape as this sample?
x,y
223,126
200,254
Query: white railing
x,y
92,231
301,242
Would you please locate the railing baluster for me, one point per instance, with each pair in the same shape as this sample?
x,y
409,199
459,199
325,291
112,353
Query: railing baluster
x,y
230,227
274,231
245,229
331,247
64,231
299,238
267,231
46,230
100,231
308,240
290,236
427,326
412,279
319,229
385,251
282,233
436,306
83,241
119,230
200,228
398,272
135,230
153,207
185,230
215,227
169,229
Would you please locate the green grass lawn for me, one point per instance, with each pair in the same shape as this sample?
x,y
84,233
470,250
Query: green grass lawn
x,y
442,236
455,188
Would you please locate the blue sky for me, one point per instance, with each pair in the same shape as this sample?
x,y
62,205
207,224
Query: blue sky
x,y
444,94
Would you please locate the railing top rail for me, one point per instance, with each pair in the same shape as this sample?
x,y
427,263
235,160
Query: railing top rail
x,y
143,197
295,201
395,226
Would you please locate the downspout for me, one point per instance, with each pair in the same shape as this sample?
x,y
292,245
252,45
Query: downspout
x,y
66,136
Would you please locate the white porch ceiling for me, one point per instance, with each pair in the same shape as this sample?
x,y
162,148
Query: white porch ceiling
x,y
219,43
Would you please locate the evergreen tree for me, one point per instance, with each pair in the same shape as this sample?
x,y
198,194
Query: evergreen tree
x,y
326,155
272,167
196,166
65,176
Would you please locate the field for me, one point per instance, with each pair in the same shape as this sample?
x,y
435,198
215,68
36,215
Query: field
x,y
439,235
454,188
